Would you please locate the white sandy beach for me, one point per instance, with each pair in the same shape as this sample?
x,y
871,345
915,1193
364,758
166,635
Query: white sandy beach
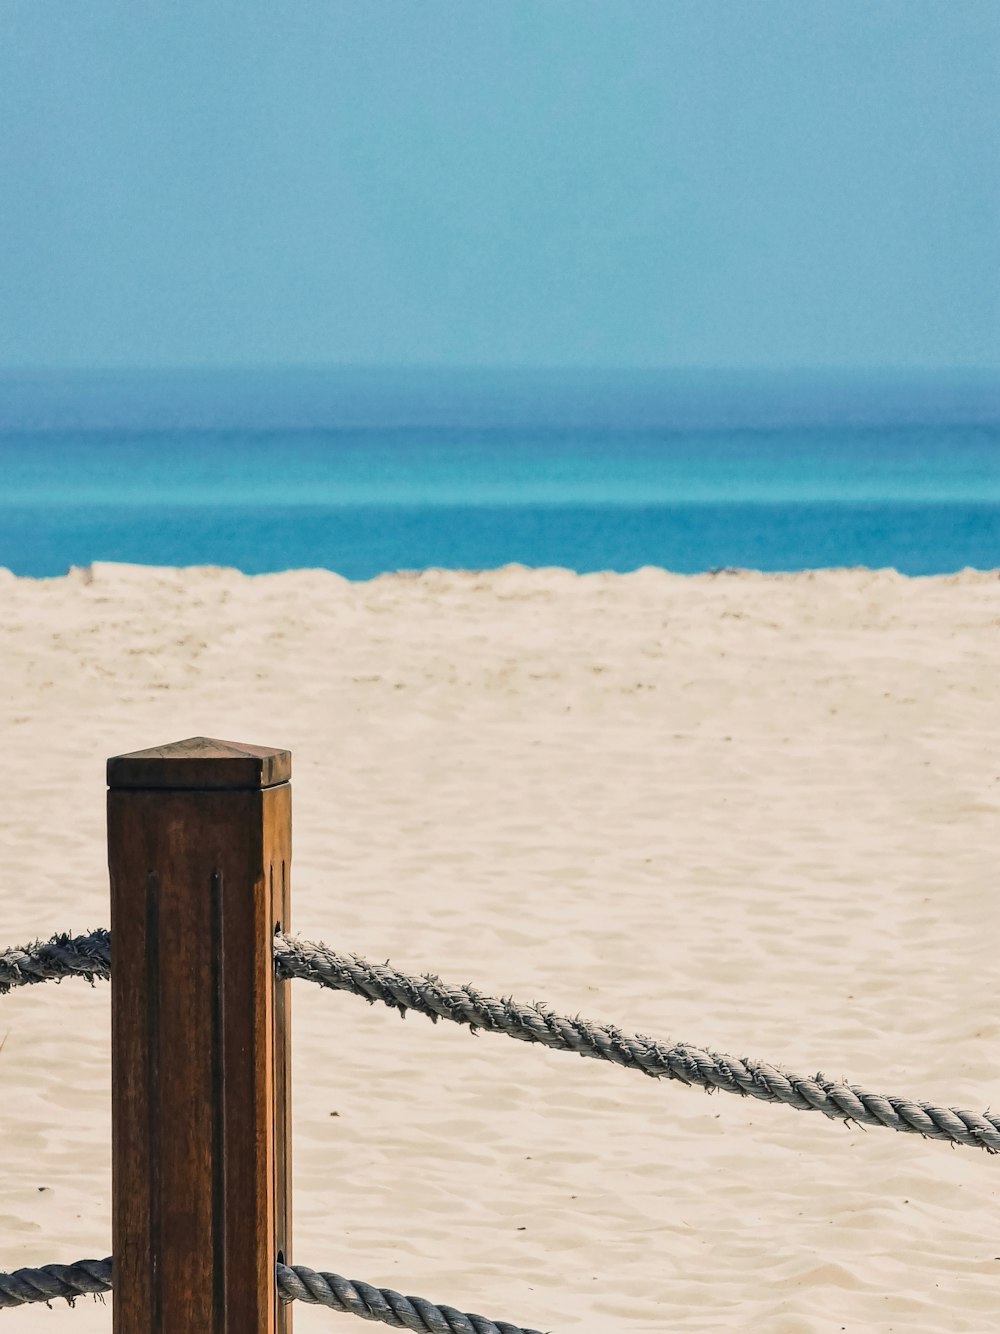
x,y
754,813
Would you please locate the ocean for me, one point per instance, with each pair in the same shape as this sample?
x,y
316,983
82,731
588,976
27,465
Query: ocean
x,y
368,472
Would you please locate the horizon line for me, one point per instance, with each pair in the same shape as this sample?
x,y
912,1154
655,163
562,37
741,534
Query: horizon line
x,y
521,368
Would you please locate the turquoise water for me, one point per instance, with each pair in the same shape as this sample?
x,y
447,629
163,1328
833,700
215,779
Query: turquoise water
x,y
774,492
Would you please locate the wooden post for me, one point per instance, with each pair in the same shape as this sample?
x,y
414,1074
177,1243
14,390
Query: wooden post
x,y
199,846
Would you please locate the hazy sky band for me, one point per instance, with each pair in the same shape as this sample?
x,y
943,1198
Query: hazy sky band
x,y
748,183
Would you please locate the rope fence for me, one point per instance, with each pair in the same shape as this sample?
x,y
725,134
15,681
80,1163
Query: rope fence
x,y
294,1282
199,851
89,957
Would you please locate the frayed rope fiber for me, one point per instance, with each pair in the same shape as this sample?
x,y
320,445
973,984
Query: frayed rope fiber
x,y
90,957
64,955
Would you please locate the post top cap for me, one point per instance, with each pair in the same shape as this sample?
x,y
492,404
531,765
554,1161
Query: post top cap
x,y
201,762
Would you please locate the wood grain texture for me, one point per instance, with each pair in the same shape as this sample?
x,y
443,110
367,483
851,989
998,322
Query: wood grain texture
x,y
199,881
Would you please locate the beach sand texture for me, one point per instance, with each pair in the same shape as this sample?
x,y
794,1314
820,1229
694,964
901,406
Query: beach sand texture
x,y
755,813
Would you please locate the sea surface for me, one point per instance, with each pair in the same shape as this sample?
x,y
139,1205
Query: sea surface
x,y
365,475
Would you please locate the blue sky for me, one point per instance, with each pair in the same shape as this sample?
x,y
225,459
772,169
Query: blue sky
x,y
749,183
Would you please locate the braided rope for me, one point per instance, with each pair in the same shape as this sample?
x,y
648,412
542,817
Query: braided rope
x,y
88,956
51,960
43,1285
361,1299
430,996
295,1283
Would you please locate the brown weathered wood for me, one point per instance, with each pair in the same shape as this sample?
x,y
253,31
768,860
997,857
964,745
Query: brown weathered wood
x,y
199,855
201,762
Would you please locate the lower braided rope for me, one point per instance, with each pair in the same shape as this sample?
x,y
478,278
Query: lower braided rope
x,y
85,1278
295,1283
